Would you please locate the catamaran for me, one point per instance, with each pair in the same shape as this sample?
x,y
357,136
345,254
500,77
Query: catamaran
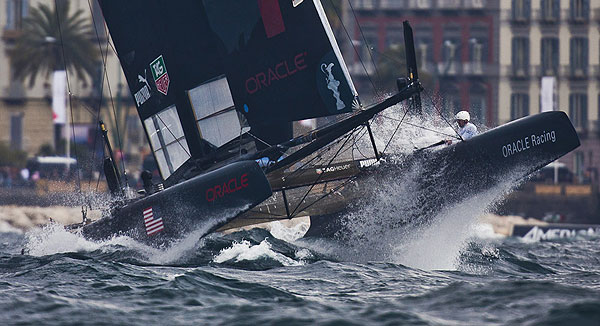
x,y
218,85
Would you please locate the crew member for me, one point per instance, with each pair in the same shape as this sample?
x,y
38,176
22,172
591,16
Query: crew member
x,y
466,129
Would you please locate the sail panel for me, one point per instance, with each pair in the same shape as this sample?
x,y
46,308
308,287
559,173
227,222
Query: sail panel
x,y
167,140
280,60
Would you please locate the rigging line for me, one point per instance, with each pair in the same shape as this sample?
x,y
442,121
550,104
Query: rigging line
x,y
366,44
176,139
395,131
319,156
62,46
363,133
103,55
421,127
112,103
336,188
347,136
260,140
354,48
442,116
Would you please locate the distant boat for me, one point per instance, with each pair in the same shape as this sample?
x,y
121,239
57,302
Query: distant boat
x,y
217,85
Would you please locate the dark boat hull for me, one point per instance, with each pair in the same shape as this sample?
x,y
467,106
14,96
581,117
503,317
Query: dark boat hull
x,y
200,204
504,154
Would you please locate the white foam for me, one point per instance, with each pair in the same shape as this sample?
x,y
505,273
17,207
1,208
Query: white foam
x,y
240,251
53,239
290,232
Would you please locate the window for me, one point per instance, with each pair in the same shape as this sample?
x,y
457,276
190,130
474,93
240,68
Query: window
x,y
394,36
519,106
580,10
451,49
478,103
550,11
521,10
167,140
16,131
579,56
371,39
216,117
520,56
16,10
578,163
450,101
578,110
549,56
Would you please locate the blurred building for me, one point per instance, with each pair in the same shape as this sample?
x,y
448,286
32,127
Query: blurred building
x,y
456,44
556,41
26,117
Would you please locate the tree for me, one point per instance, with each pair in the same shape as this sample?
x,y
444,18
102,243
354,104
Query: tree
x,y
54,40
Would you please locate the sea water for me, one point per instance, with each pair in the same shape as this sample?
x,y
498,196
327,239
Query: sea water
x,y
447,270
252,277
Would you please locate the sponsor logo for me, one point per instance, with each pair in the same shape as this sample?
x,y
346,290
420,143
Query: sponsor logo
x,y
537,234
368,163
332,84
161,77
528,142
143,94
153,225
228,187
334,168
281,70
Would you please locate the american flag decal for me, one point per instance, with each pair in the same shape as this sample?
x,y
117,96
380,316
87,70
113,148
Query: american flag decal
x,y
153,226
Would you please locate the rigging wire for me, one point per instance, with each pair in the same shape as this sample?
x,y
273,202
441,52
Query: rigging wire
x,y
62,46
103,55
354,47
347,136
366,44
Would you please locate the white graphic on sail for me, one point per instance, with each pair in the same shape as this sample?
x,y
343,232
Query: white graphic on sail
x,y
143,94
332,84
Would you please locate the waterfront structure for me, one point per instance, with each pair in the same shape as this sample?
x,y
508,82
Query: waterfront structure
x,y
553,44
456,48
26,116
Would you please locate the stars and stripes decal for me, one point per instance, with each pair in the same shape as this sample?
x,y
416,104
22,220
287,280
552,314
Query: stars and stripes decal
x,y
153,225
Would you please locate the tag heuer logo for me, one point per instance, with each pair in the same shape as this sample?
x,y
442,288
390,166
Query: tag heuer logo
x,y
161,77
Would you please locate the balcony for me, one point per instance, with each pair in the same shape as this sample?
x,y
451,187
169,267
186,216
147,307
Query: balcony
x,y
581,19
546,18
449,4
541,71
575,73
595,71
522,72
14,93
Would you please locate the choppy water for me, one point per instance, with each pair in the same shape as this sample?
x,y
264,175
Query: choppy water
x,y
252,277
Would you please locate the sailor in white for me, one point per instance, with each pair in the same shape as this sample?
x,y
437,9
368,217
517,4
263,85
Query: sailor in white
x,y
466,129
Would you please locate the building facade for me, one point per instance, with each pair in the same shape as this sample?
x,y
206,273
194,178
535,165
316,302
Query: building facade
x,y
556,41
26,116
456,44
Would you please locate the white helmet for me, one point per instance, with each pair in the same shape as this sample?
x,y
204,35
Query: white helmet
x,y
463,115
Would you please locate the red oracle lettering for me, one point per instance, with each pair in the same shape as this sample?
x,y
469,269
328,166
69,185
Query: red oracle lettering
x,y
252,85
299,61
244,180
210,195
279,71
228,187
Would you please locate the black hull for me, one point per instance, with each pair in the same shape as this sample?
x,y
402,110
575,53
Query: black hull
x,y
507,153
200,204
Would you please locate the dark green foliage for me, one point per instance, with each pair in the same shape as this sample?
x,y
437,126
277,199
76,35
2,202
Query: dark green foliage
x,y
11,157
44,46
